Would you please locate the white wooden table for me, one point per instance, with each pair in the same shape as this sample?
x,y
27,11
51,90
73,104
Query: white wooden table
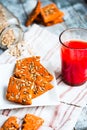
x,y
75,16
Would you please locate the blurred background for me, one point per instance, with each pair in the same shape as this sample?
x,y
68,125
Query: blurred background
x,y
22,8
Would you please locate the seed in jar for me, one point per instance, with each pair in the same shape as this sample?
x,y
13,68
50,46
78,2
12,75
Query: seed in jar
x,y
2,26
15,51
8,38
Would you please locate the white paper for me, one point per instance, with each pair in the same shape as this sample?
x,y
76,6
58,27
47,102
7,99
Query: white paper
x,y
48,98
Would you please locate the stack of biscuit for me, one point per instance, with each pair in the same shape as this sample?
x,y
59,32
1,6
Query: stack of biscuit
x,y
30,80
48,15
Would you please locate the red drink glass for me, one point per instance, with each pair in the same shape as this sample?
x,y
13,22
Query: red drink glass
x,y
74,56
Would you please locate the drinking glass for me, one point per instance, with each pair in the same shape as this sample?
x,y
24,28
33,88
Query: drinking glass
x,y
74,56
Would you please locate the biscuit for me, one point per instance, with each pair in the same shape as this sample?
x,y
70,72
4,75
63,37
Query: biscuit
x,y
33,14
10,124
30,80
40,86
31,122
19,91
50,13
28,67
57,20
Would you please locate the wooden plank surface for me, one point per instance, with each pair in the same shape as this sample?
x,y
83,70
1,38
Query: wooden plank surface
x,y
75,16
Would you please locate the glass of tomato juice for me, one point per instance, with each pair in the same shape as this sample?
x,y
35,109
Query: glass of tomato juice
x,y
74,56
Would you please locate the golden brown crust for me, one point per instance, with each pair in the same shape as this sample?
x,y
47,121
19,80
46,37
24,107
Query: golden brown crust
x,y
24,67
10,124
27,68
1,129
19,91
40,86
48,15
39,20
31,122
30,69
34,14
30,80
57,20
49,12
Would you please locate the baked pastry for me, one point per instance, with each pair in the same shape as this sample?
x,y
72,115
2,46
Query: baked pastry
x,y
27,68
10,124
40,86
24,68
50,13
47,15
55,21
19,91
31,122
30,80
33,14
30,69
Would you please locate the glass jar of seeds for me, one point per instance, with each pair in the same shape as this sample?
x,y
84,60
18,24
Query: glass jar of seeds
x,y
10,30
